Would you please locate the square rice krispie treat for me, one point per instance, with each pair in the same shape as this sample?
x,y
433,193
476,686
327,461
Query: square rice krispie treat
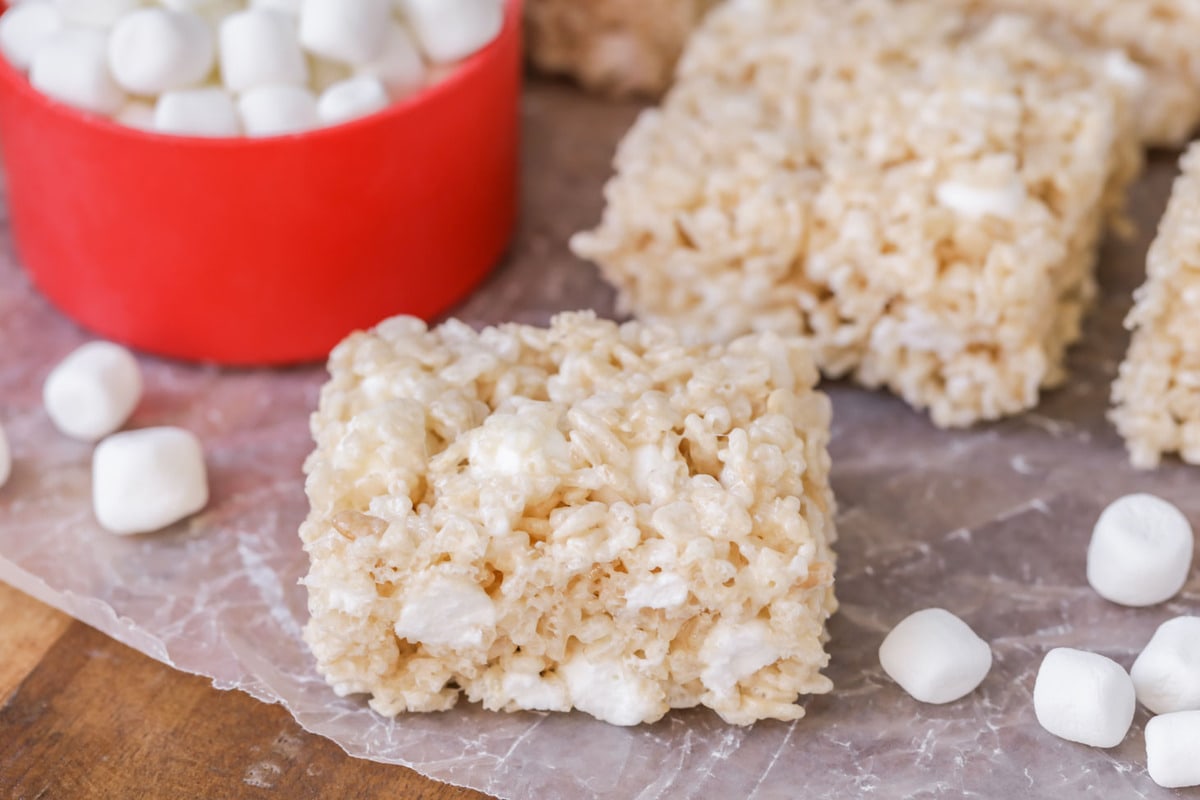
x,y
618,47
1160,57
589,516
916,189
1157,394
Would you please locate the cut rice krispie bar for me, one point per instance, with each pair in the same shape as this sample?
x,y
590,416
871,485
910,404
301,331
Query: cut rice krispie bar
x,y
615,46
589,516
1157,394
917,189
1159,38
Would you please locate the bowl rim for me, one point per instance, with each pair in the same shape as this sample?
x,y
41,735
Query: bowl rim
x,y
463,71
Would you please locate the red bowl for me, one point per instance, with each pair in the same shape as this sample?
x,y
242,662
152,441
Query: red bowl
x,y
266,251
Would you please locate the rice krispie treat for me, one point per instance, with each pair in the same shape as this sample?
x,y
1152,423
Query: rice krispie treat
x,y
614,46
918,190
1159,39
1157,394
589,516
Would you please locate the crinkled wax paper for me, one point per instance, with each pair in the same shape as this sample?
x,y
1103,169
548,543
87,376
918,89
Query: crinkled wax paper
x,y
992,523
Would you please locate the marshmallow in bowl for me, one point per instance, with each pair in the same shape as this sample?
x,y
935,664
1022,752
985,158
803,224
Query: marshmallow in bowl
x,y
1173,749
1084,697
277,110
155,50
92,391
351,99
351,31
399,64
935,656
71,66
1141,551
136,114
260,48
450,30
147,479
1166,674
208,112
24,29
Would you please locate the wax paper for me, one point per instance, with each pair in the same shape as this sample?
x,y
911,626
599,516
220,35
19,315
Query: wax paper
x,y
992,523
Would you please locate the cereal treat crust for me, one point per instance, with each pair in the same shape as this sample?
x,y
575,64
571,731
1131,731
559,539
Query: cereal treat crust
x,y
1156,54
916,189
618,47
1156,395
588,516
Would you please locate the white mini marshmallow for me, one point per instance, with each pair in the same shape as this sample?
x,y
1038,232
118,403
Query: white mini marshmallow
x,y
95,13
5,458
260,48
208,112
975,202
399,64
352,31
136,114
350,99
24,29
92,392
1173,749
277,110
1166,674
154,50
145,480
1084,697
71,66
450,30
1141,551
935,656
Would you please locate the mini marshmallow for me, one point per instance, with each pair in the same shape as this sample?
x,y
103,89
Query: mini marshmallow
x,y
1141,551
276,110
154,50
352,31
935,656
259,48
5,458
399,64
145,480
1173,749
208,112
24,29
136,114
93,391
95,13
71,66
1166,674
350,99
450,30
1084,697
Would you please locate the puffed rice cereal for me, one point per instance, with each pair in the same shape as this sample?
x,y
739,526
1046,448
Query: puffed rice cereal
x,y
916,189
1156,396
586,516
618,47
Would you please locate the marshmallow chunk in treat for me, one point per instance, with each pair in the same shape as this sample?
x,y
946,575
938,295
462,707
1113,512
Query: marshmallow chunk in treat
x,y
71,66
1173,749
147,479
278,110
352,31
207,112
1141,551
450,30
93,391
1166,675
1084,697
260,48
24,29
935,656
351,99
154,50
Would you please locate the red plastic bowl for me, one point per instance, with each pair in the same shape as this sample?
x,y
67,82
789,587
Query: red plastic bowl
x,y
266,251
